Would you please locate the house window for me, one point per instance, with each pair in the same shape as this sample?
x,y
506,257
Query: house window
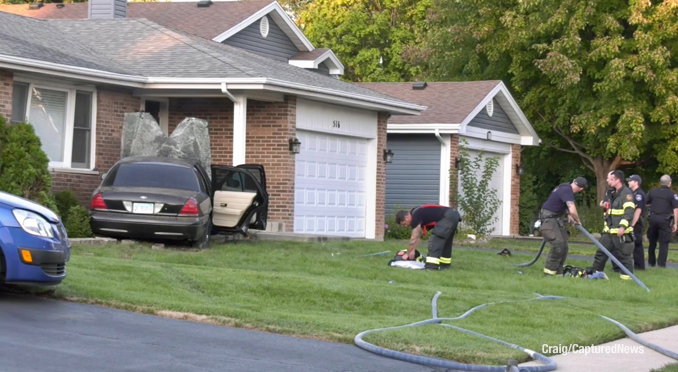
x,y
63,118
159,110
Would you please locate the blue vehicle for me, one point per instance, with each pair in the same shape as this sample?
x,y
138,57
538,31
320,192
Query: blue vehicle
x,y
34,246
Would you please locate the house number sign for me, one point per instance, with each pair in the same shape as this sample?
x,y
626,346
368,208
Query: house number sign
x,y
336,124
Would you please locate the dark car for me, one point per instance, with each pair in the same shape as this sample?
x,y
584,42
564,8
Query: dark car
x,y
175,199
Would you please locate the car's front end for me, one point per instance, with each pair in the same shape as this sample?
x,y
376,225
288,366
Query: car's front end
x,y
34,243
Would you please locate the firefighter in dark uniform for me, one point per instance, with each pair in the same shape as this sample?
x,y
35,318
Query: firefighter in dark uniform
x,y
639,198
443,220
556,207
663,203
617,236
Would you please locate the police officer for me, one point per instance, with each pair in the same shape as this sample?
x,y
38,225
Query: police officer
x,y
617,235
559,203
444,221
663,203
639,197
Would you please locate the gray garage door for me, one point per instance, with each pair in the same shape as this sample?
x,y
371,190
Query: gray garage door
x,y
414,176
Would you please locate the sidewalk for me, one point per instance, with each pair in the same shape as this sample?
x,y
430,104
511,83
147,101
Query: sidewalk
x,y
622,355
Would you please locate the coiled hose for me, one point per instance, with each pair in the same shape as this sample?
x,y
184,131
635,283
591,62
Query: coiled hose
x,y
550,365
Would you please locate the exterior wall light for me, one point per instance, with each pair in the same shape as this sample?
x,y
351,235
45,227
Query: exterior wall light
x,y
295,145
520,170
388,156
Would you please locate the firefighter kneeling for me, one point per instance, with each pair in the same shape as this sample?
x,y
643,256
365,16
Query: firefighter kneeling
x,y
617,236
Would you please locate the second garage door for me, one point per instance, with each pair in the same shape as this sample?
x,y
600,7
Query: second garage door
x,y
330,185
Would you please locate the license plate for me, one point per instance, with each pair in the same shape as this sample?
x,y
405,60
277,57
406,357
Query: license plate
x,y
142,208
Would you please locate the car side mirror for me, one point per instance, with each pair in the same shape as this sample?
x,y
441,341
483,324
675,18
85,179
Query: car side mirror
x,y
103,175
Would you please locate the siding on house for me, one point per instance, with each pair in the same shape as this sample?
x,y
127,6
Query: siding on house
x,y
499,120
413,178
276,45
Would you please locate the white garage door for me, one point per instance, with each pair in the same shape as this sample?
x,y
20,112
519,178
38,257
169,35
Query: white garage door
x,y
497,183
330,185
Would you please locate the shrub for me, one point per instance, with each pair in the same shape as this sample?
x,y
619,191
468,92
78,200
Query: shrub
x,y
23,165
65,200
77,222
393,231
479,202
529,204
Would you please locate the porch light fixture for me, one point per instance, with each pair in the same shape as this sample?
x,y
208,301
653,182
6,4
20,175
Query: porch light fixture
x,y
457,162
295,145
388,156
489,135
519,169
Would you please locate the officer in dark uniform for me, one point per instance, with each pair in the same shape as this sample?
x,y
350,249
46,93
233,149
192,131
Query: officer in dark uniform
x,y
443,220
639,197
663,203
617,236
557,206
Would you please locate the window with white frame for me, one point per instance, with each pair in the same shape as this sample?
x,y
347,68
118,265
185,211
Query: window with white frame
x,y
63,118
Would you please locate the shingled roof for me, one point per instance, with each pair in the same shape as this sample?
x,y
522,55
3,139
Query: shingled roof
x,y
145,50
448,102
207,22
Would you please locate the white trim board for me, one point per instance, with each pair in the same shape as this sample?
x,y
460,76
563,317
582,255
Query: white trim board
x,y
338,68
445,165
277,13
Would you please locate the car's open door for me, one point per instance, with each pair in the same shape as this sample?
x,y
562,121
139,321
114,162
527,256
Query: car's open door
x,y
239,198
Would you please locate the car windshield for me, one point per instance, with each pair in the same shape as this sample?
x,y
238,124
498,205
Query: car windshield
x,y
166,176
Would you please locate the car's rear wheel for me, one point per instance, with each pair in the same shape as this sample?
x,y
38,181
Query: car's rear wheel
x,y
204,241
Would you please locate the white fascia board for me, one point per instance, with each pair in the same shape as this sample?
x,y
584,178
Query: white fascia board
x,y
423,128
338,68
524,123
515,139
55,69
280,18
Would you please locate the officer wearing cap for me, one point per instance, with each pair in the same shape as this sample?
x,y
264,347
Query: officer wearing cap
x,y
617,235
663,203
639,197
559,203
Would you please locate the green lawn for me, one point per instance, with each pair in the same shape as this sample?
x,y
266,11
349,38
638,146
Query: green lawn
x,y
329,291
667,368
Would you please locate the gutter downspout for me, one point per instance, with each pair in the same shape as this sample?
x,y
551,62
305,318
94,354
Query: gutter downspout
x,y
227,93
437,133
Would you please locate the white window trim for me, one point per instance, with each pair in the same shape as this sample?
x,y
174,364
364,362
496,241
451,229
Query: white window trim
x,y
163,114
71,91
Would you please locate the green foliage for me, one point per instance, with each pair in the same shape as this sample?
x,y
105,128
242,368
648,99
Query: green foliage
x,y
596,79
77,222
65,200
23,164
393,231
529,203
479,201
369,37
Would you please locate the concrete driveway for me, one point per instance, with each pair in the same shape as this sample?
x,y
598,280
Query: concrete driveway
x,y
38,334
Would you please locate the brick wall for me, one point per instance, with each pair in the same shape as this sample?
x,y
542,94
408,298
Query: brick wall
x,y
219,114
6,82
269,126
515,190
111,108
381,175
454,183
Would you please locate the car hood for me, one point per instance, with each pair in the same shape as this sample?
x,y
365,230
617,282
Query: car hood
x,y
21,203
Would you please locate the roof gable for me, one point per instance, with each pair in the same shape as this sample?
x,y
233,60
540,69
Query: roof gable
x,y
453,105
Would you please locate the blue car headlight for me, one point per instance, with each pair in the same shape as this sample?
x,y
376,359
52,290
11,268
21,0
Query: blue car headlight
x,y
33,224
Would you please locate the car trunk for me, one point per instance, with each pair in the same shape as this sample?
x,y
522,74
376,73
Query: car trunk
x,y
165,201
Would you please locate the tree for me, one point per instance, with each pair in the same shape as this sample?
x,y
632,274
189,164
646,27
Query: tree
x,y
596,79
480,201
367,36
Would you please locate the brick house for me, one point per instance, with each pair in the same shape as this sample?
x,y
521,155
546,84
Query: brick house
x,y
246,69
425,148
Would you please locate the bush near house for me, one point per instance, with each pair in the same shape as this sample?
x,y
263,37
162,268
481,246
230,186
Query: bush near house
x,y
74,215
23,165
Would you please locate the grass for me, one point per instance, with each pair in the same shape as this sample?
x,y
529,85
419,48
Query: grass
x,y
328,291
667,368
